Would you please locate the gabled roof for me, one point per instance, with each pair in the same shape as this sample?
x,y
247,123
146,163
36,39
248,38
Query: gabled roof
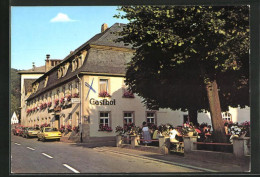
x,y
28,85
36,70
96,61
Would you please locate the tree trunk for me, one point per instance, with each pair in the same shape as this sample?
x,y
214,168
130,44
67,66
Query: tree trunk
x,y
193,116
215,112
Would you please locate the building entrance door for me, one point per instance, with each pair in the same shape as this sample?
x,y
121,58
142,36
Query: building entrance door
x,y
57,121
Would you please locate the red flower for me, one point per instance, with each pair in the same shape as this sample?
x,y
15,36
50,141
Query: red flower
x,y
104,94
75,95
56,101
68,97
62,100
128,94
49,104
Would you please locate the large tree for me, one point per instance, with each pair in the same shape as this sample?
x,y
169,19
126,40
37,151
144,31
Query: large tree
x,y
201,47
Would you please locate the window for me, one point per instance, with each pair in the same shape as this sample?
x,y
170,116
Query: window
x,y
46,80
79,62
150,117
58,93
70,119
226,116
103,85
70,88
63,90
104,119
77,85
74,64
128,117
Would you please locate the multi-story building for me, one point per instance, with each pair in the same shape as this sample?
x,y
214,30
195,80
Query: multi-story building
x,y
27,78
87,89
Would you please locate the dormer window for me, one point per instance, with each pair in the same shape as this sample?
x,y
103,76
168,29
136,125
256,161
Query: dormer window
x,y
46,81
79,61
74,64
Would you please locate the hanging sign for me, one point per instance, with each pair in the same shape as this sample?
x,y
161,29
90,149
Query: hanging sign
x,y
75,100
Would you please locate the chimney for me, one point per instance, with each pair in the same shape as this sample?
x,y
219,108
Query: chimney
x,y
47,56
103,27
33,66
47,63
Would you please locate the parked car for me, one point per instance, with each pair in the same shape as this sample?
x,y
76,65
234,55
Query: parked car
x,y
47,133
17,130
21,132
30,132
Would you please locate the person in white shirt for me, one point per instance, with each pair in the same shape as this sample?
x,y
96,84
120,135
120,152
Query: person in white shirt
x,y
173,133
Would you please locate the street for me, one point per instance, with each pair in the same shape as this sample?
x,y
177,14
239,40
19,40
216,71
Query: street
x,y
32,156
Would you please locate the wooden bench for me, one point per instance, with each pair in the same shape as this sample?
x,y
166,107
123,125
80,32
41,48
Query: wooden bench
x,y
179,146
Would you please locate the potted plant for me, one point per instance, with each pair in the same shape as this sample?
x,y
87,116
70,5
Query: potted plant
x,y
104,94
128,94
56,101
75,95
68,97
69,127
62,101
120,130
49,104
188,129
75,129
105,128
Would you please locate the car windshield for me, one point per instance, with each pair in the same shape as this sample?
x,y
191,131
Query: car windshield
x,y
50,129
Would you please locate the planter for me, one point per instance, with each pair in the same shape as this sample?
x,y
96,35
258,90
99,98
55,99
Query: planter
x,y
190,134
118,140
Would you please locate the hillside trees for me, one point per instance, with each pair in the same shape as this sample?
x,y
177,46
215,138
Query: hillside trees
x,y
189,57
15,92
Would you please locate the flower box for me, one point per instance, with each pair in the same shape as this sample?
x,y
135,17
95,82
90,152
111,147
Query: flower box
x,y
75,95
104,94
56,101
128,94
105,128
68,98
49,104
62,100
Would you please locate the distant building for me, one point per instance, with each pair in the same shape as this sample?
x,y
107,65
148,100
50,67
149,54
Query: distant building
x,y
28,77
14,119
87,88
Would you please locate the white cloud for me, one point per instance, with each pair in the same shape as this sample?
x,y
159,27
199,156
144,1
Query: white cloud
x,y
60,17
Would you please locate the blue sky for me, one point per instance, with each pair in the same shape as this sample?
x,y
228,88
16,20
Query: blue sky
x,y
37,31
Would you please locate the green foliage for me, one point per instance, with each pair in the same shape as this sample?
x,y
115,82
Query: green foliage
x,y
15,91
180,49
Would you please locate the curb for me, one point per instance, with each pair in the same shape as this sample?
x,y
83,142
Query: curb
x,y
159,160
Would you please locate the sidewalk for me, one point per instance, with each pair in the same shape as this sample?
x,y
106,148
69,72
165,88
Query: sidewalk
x,y
204,166
182,161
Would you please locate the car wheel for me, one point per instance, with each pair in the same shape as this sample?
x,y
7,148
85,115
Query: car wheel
x,y
58,139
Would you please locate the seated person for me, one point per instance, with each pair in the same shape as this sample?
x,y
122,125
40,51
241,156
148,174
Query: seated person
x,y
155,136
173,133
173,140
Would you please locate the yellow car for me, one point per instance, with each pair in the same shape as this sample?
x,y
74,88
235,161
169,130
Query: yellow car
x,y
30,132
49,133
